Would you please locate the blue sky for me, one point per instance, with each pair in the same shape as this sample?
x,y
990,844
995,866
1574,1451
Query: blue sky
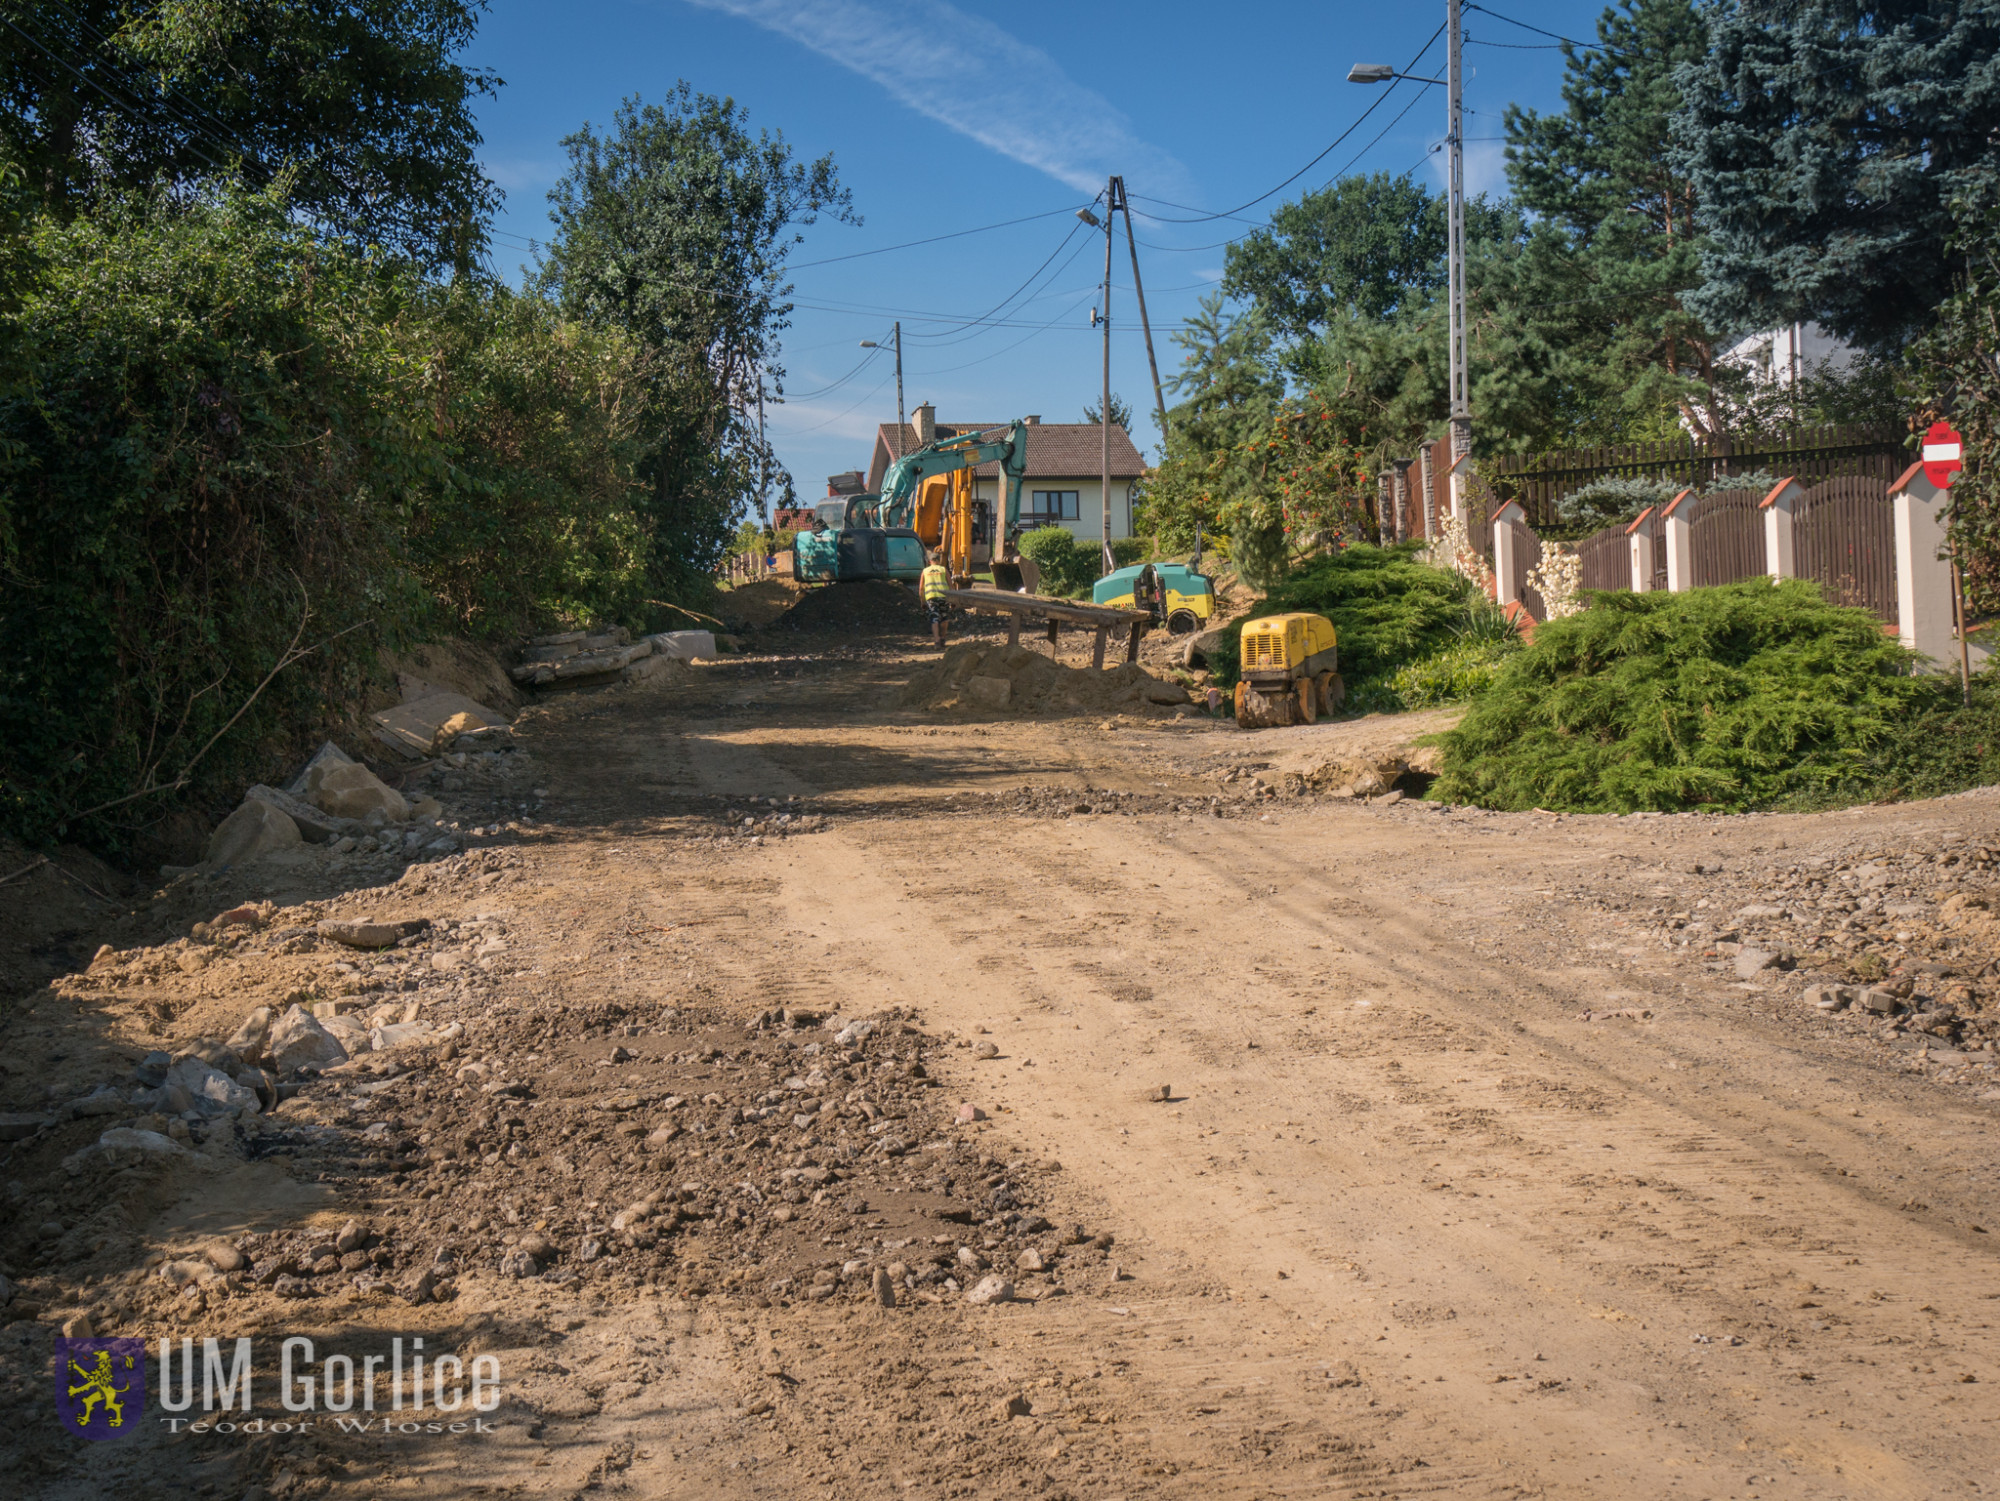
x,y
946,117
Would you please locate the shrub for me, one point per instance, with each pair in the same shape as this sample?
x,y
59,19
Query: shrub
x,y
230,440
1452,676
1068,566
1727,698
1387,609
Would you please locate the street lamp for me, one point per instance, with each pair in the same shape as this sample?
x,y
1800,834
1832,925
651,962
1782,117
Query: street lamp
x,y
1454,85
871,344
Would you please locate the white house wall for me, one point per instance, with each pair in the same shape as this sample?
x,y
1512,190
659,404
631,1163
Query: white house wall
x,y
1089,523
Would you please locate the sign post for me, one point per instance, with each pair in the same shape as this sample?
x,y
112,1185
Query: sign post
x,y
1944,456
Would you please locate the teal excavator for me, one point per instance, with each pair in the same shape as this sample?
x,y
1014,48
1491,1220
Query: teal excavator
x,y
926,503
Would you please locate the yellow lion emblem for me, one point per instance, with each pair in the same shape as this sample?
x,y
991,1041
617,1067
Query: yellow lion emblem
x,y
96,1387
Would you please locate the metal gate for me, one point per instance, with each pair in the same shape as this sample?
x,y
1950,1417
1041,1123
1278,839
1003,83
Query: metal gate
x,y
1726,538
1844,539
1606,558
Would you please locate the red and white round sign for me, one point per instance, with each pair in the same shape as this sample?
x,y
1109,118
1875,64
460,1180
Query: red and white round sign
x,y
1944,455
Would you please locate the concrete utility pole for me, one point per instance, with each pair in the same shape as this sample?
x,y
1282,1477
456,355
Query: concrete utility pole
x,y
1461,403
1104,496
1454,86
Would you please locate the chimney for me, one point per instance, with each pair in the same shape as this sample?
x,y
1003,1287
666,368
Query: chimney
x,y
1034,420
924,420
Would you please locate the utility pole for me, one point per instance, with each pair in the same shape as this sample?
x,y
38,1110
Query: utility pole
x,y
1104,496
1461,404
872,344
1454,86
1145,324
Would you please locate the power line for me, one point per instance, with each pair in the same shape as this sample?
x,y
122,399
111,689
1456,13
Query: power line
x,y
1373,106
956,234
866,360
1537,30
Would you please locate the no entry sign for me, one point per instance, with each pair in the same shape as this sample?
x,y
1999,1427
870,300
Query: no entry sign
x,y
1944,455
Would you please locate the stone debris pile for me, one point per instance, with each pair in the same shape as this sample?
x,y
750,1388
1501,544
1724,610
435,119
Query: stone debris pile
x,y
583,656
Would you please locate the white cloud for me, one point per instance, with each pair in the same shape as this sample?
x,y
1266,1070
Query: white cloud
x,y
972,77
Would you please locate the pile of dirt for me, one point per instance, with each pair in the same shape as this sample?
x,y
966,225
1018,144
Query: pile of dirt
x,y
1014,680
871,607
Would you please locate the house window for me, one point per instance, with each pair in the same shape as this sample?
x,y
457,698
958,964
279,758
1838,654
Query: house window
x,y
1045,506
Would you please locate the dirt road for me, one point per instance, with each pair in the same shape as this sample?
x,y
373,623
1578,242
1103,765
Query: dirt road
x,y
1477,1174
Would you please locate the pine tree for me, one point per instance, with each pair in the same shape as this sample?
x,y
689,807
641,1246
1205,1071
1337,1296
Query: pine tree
x,y
1826,140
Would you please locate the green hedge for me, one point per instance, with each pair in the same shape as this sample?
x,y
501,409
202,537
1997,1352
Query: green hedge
x,y
219,437
1731,698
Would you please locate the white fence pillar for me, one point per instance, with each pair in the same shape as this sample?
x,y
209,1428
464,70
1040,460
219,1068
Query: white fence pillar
x,y
1505,542
1678,519
1923,571
1639,538
1455,477
1780,557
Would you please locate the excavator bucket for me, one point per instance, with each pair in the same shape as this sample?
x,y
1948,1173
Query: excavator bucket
x,y
1015,574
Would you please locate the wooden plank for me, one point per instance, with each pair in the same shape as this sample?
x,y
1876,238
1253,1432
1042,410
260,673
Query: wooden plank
x,y
1014,628
997,602
1054,626
1097,649
1132,642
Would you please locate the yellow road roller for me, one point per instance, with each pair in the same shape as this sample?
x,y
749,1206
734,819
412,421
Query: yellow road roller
x,y
1290,671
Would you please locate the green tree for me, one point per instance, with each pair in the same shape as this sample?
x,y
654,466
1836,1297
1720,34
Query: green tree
x,y
1955,373
1365,247
1600,284
1232,390
674,227
1121,412
362,108
1825,140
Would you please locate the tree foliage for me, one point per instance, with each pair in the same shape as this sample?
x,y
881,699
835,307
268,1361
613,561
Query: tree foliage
x,y
1955,374
1826,140
225,438
673,227
364,108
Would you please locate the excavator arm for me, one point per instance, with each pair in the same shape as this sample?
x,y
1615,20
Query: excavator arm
x,y
897,504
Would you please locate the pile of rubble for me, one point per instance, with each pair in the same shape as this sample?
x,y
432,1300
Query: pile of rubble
x,y
1899,943
996,678
583,656
790,1158
336,802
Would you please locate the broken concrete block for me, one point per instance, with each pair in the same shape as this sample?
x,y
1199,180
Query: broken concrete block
x,y
353,791
359,934
316,826
416,728
684,645
254,830
298,1040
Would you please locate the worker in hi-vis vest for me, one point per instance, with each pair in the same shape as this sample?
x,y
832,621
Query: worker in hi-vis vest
x,y
931,585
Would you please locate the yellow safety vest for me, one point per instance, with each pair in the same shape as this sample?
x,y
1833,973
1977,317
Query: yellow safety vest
x,y
934,582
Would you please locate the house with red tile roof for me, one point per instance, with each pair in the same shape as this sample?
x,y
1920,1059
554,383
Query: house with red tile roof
x,y
1064,479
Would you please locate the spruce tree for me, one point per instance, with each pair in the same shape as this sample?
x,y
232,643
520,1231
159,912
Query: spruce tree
x,y
1826,140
